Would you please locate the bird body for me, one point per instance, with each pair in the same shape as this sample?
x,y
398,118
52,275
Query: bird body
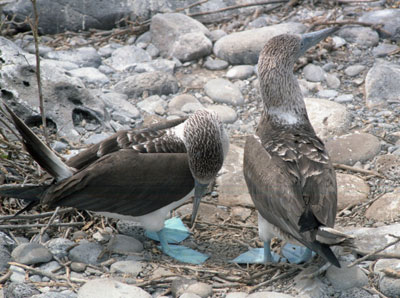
x,y
286,167
138,174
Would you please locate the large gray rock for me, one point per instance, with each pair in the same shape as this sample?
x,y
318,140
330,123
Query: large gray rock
x,y
390,18
177,35
87,253
223,91
327,117
364,37
31,253
388,285
244,47
83,57
155,82
382,84
386,208
351,190
58,16
346,278
127,56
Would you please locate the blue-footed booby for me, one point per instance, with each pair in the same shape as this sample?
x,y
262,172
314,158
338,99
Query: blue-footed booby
x,y
138,174
286,167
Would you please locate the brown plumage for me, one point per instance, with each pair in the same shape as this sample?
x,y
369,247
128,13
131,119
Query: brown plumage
x,y
287,169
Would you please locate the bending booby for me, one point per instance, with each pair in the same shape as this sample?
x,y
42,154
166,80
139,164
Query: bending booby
x,y
286,167
138,174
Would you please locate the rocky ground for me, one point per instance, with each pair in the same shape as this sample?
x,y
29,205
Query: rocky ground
x,y
94,86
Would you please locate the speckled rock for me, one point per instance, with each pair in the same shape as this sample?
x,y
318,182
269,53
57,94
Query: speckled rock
x,y
153,105
386,208
332,81
31,253
382,84
124,57
389,286
269,294
388,165
59,246
90,75
225,113
348,149
132,268
388,17
346,278
354,70
83,57
314,73
20,290
113,288
184,285
328,118
223,91
180,100
351,190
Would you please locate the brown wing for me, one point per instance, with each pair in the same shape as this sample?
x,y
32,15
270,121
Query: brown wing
x,y
290,178
153,139
125,182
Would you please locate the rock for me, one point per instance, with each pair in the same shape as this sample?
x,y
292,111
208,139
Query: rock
x,y
159,64
354,70
240,72
127,245
51,266
51,294
96,138
192,107
386,208
83,57
388,17
388,285
207,212
113,288
177,35
201,289
180,100
225,113
155,82
152,105
20,290
87,253
332,81
78,267
236,295
189,295
6,241
17,274
232,187
327,93
382,84
31,253
119,102
59,247
389,166
328,118
223,91
364,37
106,50
125,57
314,73
338,41
57,16
351,190
152,51
132,268
240,213
215,64
369,239
216,34
5,257
268,294
356,293
184,285
383,49
344,98
244,47
347,149
90,75
309,287
346,278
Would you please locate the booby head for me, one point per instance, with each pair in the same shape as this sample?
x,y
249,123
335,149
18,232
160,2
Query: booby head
x,y
207,144
281,94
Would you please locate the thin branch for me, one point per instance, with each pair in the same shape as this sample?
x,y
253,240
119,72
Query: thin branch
x,y
34,28
62,224
52,218
270,281
35,216
358,170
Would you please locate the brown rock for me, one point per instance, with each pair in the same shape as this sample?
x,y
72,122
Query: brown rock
x,y
389,166
349,149
232,187
385,208
207,212
351,190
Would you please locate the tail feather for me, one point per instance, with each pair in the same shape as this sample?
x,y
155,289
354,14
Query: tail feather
x,y
325,251
40,152
331,236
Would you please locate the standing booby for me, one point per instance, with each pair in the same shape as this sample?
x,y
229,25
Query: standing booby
x,y
286,167
138,174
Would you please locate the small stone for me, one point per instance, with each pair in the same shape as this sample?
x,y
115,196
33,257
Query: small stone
x,y
151,104
388,285
86,253
180,100
332,81
269,294
132,268
344,98
327,93
351,190
338,42
17,274
354,70
223,91
217,34
236,295
152,51
240,72
383,49
192,107
59,247
240,213
314,73
50,267
346,149
126,56
356,293
215,64
123,244
112,288
364,37
207,212
389,166
5,257
386,208
346,278
225,113
78,267
90,75
189,295
31,253
20,290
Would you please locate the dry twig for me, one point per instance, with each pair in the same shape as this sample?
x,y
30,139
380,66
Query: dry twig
x,y
358,170
61,224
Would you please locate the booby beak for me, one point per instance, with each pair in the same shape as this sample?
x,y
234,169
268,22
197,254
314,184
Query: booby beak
x,y
312,38
199,190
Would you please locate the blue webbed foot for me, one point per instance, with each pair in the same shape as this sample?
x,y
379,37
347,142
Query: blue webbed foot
x,y
174,231
184,254
259,256
297,254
